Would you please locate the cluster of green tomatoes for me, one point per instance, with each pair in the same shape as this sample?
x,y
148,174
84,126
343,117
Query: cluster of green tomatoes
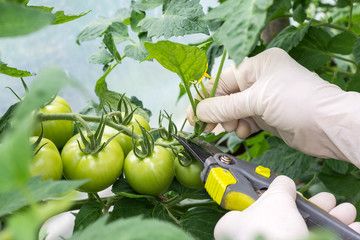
x,y
60,154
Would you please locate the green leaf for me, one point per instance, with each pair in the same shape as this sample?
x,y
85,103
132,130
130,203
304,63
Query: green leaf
x,y
278,8
130,207
312,51
334,79
284,160
88,213
135,18
338,166
122,188
102,56
5,120
61,18
26,223
123,15
356,51
188,192
16,19
181,17
14,199
14,164
289,37
161,212
188,62
339,184
131,229
343,3
299,14
119,31
138,50
256,145
143,5
354,84
110,45
94,29
342,43
243,22
200,222
13,72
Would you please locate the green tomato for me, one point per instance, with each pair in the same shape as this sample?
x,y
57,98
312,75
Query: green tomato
x,y
189,176
58,131
151,175
123,139
47,162
102,169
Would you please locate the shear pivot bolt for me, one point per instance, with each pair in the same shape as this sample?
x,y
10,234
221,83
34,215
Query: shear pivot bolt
x,y
225,159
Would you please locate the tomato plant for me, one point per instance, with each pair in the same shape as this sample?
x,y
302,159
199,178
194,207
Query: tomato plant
x,y
58,131
151,175
101,168
47,160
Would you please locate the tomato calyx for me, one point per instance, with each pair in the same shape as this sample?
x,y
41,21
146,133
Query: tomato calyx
x,y
93,145
127,111
35,145
147,143
184,157
171,129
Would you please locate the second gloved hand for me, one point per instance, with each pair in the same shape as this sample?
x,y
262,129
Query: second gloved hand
x,y
275,215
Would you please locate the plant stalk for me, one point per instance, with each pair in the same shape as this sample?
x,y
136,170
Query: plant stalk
x,y
213,90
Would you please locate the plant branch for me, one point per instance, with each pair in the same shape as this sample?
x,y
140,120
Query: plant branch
x,y
85,118
329,69
343,59
317,23
212,94
350,17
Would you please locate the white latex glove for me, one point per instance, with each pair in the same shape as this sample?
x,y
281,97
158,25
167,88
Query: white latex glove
x,y
275,216
271,91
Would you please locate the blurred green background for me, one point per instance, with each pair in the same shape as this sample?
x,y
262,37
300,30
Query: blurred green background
x,y
56,45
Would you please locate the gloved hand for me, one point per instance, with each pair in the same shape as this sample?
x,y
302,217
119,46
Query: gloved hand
x,y
271,91
275,216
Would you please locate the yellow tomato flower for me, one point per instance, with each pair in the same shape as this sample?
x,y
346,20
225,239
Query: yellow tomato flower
x,y
204,75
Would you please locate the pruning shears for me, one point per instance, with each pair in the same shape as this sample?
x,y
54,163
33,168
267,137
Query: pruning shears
x,y
235,184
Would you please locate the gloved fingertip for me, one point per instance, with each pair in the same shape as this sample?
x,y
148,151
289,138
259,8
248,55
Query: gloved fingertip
x,y
324,200
345,212
209,127
190,116
282,184
230,126
243,129
355,226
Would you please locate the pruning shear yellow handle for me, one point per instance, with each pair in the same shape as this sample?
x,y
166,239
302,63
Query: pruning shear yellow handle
x,y
236,184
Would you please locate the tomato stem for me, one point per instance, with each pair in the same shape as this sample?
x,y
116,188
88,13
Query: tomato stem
x,y
87,118
206,94
213,90
98,198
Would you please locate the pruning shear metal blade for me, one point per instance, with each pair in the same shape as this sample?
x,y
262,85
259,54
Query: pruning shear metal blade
x,y
198,149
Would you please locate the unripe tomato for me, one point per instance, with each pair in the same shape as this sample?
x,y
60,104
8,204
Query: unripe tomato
x,y
58,131
123,139
189,176
102,168
47,162
151,175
